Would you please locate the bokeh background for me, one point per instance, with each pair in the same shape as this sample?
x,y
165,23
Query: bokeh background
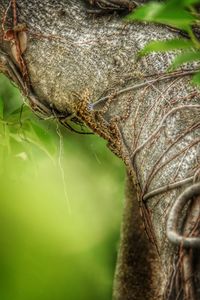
x,y
61,198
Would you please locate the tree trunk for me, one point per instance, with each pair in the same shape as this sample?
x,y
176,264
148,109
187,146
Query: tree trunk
x,y
138,269
149,118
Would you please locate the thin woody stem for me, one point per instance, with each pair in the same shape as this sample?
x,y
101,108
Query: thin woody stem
x,y
143,84
14,13
154,171
167,188
157,103
171,112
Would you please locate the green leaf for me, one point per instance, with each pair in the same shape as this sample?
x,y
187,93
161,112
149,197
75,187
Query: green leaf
x,y
166,46
146,12
164,14
196,79
183,3
1,108
186,57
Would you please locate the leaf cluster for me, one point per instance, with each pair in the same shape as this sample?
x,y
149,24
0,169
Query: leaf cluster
x,y
182,15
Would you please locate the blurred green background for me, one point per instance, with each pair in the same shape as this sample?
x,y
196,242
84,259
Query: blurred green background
x,y
60,208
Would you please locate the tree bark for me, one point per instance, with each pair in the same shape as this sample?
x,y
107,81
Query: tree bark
x,y
150,120
138,269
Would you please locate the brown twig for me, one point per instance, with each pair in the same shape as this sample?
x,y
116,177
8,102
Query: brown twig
x,y
143,84
153,106
5,16
167,188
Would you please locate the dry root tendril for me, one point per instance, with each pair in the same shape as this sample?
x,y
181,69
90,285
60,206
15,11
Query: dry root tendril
x,y
172,223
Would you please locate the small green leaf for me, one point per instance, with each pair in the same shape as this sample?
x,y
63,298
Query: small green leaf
x,y
146,12
164,14
161,46
1,108
186,57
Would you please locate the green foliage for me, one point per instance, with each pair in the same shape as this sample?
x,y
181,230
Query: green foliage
x,y
47,252
181,15
162,46
1,108
20,129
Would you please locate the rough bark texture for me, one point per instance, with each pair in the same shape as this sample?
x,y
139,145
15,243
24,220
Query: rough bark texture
x,y
74,58
138,269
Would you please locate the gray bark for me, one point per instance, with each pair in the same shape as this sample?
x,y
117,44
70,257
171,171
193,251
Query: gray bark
x,y
73,59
